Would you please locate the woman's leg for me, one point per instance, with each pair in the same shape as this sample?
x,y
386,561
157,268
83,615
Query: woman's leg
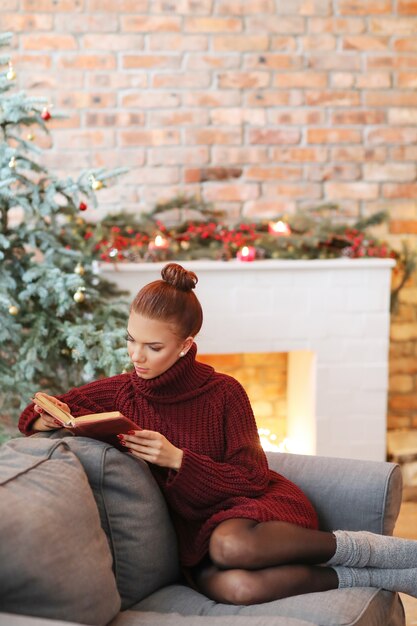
x,y
239,586
250,545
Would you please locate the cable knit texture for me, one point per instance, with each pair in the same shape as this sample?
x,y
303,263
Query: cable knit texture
x,y
364,549
224,472
402,580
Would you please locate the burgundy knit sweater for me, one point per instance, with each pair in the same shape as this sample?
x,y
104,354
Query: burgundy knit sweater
x,y
224,472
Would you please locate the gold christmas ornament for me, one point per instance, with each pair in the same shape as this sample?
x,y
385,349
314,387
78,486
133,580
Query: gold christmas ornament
x,y
13,310
79,221
11,74
79,269
96,185
79,296
12,163
30,137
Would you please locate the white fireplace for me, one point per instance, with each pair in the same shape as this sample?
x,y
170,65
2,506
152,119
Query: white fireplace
x,y
331,316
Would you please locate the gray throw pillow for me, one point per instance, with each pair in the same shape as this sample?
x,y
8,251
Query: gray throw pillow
x,y
133,515
54,558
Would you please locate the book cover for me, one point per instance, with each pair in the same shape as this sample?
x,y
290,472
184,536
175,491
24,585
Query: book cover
x,y
102,426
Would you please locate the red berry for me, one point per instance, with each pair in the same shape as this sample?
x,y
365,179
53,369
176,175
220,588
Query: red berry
x,y
45,115
82,206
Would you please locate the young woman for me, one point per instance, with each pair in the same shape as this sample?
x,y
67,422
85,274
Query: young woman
x,y
246,534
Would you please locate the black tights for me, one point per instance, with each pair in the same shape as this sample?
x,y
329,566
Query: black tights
x,y
251,562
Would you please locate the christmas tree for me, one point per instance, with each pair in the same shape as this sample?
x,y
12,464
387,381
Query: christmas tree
x,y
62,324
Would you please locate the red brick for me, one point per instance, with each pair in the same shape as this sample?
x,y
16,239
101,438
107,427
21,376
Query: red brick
x,y
32,61
181,80
275,98
354,191
274,136
373,80
299,155
400,190
276,24
359,154
310,191
243,80
227,192
89,23
392,135
84,139
245,7
87,61
116,80
154,175
301,79
321,173
391,62
404,153
364,7
268,208
402,116
365,42
336,25
48,81
196,155
8,5
155,137
273,61
113,42
391,98
298,117
150,23
114,119
150,100
179,42
71,120
342,80
407,79
68,6
407,7
204,174
212,25
118,6
333,135
282,42
389,171
333,98
361,117
274,173
211,136
48,42
181,117
396,26
235,116
199,7
212,62
85,99
240,43
148,62
20,22
340,62
239,155
212,98
325,42
406,44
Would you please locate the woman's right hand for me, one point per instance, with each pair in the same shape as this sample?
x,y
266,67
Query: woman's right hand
x,y
45,421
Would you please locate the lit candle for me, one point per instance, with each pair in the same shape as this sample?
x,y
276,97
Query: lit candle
x,y
247,253
279,228
159,243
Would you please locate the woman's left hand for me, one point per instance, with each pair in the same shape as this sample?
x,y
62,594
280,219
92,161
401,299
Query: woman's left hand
x,y
153,447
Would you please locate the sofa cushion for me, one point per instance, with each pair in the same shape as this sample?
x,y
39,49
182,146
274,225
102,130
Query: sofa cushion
x,y
340,607
54,558
134,517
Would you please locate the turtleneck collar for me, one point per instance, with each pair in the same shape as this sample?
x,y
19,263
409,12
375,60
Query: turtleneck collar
x,y
183,380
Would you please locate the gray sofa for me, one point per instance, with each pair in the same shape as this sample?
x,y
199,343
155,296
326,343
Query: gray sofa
x,y
86,538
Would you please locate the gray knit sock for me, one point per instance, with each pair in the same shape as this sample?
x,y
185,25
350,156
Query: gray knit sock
x,y
403,580
365,549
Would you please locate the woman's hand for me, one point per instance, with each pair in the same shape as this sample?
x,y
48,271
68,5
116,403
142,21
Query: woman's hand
x,y
152,447
45,421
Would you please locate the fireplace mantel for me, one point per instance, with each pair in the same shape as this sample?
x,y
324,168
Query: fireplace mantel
x,y
332,316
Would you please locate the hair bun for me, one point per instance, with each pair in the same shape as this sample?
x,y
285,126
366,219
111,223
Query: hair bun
x,y
179,277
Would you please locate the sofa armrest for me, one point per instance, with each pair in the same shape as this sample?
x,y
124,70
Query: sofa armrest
x,y
347,493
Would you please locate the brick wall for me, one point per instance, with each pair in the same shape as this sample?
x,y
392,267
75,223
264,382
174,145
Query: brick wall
x,y
261,106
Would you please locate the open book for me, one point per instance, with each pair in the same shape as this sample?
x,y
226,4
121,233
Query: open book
x,y
102,426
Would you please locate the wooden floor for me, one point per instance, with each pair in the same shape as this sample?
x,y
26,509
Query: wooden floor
x,y
407,527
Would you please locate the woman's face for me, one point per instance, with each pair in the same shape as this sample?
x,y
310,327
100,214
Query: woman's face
x,y
153,346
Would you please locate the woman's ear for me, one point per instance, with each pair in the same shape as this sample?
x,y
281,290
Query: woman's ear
x,y
186,345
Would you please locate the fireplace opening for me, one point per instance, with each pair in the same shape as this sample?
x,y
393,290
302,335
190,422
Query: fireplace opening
x,y
280,387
